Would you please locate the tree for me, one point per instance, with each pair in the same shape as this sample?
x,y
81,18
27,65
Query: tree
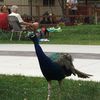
x,y
62,5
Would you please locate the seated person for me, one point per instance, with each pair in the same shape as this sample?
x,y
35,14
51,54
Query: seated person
x,y
46,18
14,12
44,32
72,5
4,18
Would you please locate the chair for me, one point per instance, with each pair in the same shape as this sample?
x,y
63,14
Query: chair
x,y
15,26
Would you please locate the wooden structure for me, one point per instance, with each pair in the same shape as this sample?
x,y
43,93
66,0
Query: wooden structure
x,y
84,13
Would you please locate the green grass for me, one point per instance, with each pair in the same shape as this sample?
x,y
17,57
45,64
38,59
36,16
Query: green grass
x,y
81,34
33,88
84,34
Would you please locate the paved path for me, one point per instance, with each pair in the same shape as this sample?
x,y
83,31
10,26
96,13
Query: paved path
x,y
21,59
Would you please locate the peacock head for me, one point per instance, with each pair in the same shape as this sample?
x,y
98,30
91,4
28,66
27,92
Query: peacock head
x,y
32,36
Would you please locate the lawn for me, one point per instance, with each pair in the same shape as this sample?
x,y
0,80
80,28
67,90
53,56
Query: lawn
x,y
81,34
33,88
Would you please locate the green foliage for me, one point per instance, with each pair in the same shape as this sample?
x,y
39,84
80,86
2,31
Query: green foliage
x,y
33,88
4,35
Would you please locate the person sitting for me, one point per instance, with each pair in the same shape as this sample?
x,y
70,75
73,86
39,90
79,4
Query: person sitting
x,y
44,32
14,12
46,18
72,6
4,18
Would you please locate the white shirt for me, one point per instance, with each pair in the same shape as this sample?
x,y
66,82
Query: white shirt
x,y
73,2
18,16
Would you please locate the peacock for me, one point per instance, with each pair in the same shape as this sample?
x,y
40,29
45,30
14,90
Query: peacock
x,y
55,68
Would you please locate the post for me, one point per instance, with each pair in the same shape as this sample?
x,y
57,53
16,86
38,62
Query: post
x,y
30,7
96,19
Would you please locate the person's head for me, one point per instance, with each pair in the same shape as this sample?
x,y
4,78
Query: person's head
x,y
14,8
4,9
35,25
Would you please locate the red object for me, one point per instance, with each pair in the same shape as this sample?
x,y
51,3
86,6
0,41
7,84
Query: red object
x,y
43,29
4,21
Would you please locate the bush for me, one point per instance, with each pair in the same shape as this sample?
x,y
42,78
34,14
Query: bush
x,y
4,35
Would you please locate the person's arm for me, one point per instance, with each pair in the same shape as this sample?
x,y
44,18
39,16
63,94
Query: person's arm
x,y
32,26
26,23
23,22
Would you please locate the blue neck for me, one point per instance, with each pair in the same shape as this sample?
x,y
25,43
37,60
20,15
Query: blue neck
x,y
39,52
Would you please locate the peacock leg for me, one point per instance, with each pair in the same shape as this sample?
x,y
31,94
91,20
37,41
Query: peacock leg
x,y
60,83
49,90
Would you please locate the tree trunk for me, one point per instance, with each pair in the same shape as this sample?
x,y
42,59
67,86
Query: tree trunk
x,y
86,2
30,7
62,5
